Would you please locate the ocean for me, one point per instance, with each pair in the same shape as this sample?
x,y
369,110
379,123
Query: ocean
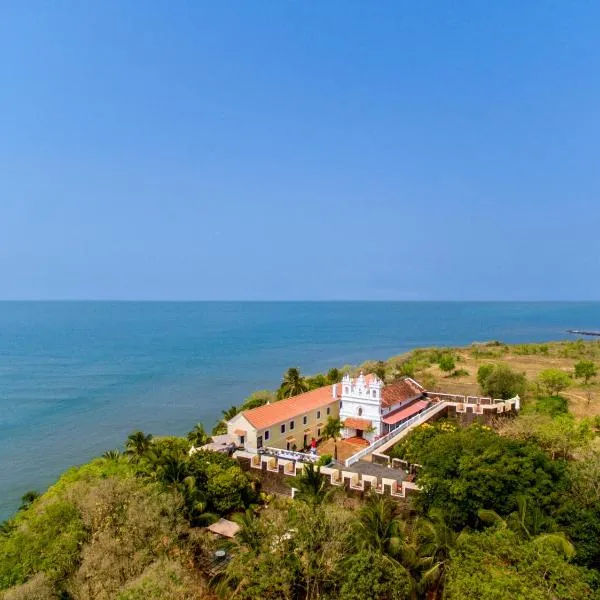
x,y
77,377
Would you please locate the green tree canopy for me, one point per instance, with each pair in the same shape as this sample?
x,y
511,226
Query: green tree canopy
x,y
334,375
500,381
586,370
368,574
497,564
258,398
473,468
554,381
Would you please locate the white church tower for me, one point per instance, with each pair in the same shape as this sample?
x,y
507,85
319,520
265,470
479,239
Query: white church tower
x,y
360,406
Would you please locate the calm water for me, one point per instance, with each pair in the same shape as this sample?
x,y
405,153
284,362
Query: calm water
x,y
76,378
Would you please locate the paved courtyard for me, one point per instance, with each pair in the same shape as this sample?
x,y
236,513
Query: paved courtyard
x,y
346,448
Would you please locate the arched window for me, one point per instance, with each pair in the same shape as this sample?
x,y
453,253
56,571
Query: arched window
x,y
359,411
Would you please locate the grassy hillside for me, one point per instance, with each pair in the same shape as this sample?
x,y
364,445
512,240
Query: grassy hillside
x,y
530,359
511,513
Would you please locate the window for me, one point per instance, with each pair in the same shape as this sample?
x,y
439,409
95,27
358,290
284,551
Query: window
x,y
374,393
304,419
359,411
319,432
267,434
283,428
242,440
340,404
292,425
328,410
318,414
345,389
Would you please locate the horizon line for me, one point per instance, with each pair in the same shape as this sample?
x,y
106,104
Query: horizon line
x,y
272,301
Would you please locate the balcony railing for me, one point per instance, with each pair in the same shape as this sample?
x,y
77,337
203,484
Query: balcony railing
x,y
288,454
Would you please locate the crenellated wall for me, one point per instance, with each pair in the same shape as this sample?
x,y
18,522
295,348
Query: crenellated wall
x,y
276,476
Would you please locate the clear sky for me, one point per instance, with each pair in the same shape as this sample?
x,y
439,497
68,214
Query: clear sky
x,y
299,150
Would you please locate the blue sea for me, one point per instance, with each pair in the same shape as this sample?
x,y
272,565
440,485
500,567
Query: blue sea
x,y
77,377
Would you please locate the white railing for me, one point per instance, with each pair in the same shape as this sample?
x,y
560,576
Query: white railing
x,y
426,414
388,436
288,454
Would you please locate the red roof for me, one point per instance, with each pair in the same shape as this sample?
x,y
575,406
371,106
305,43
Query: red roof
x,y
267,415
405,413
400,391
356,423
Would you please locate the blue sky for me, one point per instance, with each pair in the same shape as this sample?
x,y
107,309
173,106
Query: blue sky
x,y
299,150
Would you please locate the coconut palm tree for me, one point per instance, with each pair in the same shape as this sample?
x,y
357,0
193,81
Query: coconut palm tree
x,y
293,384
138,443
198,436
172,469
379,528
311,486
434,539
333,430
112,455
250,535
230,413
530,522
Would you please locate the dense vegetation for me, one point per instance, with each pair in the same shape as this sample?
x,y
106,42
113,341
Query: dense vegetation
x,y
510,510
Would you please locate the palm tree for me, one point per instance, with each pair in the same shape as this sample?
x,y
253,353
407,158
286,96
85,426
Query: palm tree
x,y
230,413
173,469
529,522
379,528
311,486
332,430
198,436
112,455
435,539
250,535
293,384
137,445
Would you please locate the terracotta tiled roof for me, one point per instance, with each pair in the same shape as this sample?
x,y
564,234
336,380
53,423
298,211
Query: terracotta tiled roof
x,y
290,408
406,412
356,423
400,391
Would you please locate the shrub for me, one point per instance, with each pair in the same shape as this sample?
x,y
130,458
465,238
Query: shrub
x,y
324,460
460,373
164,579
447,363
37,588
552,405
46,538
368,574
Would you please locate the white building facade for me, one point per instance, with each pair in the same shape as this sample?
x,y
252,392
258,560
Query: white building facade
x,y
360,404
369,408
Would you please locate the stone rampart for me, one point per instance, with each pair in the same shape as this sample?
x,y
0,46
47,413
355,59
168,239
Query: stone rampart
x,y
276,476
